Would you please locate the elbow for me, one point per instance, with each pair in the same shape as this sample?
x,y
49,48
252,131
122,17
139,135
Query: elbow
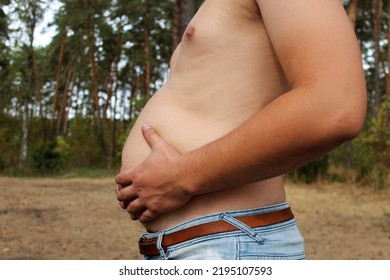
x,y
349,128
349,120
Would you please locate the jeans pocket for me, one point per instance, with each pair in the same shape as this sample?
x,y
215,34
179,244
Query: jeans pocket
x,y
281,242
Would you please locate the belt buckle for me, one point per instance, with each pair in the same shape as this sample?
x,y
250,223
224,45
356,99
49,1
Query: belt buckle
x,y
147,241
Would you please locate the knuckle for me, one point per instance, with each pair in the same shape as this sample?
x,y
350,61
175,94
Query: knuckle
x,y
118,179
149,132
136,176
133,206
153,207
130,209
148,216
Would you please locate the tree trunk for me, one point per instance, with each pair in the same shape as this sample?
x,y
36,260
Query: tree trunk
x,y
377,52
183,12
39,96
176,38
352,10
113,74
113,136
94,86
32,76
58,86
388,53
64,102
148,93
66,118
114,89
25,132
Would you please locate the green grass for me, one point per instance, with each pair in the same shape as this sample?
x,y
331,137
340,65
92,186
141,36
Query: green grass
x,y
87,173
65,173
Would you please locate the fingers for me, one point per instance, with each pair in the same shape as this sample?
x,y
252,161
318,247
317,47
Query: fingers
x,y
123,189
123,204
126,195
134,206
136,209
123,179
151,136
147,216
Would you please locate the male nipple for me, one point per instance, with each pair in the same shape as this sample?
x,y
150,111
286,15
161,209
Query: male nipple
x,y
190,32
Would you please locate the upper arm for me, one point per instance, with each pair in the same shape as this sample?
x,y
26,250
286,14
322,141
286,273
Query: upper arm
x,y
318,50
313,39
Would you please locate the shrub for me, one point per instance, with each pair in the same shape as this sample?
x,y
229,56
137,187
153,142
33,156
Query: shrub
x,y
83,149
311,172
46,159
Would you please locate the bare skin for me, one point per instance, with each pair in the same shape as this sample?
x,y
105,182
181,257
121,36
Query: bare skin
x,y
256,88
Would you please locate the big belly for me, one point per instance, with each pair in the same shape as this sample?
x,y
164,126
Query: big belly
x,y
187,130
184,128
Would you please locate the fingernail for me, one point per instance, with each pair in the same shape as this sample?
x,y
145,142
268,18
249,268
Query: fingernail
x,y
146,126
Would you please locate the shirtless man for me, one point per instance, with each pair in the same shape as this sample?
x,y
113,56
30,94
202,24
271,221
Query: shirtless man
x,y
256,88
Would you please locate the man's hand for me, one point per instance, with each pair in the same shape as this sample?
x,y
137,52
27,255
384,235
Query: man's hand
x,y
153,188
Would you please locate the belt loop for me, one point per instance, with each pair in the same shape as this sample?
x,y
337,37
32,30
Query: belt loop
x,y
242,226
160,246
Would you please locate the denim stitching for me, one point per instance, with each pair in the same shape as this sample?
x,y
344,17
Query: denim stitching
x,y
242,226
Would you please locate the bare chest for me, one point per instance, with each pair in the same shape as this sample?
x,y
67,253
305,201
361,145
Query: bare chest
x,y
224,51
221,21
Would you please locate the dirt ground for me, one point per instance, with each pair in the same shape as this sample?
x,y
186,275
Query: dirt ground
x,y
79,219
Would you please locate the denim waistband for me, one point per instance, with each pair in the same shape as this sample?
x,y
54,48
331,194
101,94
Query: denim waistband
x,y
216,217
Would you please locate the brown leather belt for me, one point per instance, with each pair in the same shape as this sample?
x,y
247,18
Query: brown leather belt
x,y
148,246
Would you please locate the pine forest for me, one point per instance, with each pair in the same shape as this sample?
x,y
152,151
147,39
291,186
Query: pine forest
x,y
75,74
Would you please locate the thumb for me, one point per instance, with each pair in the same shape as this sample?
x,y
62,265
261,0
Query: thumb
x,y
151,136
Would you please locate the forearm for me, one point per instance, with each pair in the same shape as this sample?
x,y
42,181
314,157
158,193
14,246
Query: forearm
x,y
295,129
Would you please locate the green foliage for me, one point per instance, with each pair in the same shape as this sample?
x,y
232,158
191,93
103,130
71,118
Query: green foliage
x,y
4,52
311,172
81,146
62,148
46,159
10,143
378,140
354,158
379,136
87,172
117,30
366,159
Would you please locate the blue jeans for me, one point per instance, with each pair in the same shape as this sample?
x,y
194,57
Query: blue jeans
x,y
281,241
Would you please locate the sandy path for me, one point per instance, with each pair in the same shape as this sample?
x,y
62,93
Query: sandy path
x,y
80,219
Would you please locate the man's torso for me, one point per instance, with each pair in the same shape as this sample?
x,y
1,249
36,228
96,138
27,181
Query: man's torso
x,y
222,73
